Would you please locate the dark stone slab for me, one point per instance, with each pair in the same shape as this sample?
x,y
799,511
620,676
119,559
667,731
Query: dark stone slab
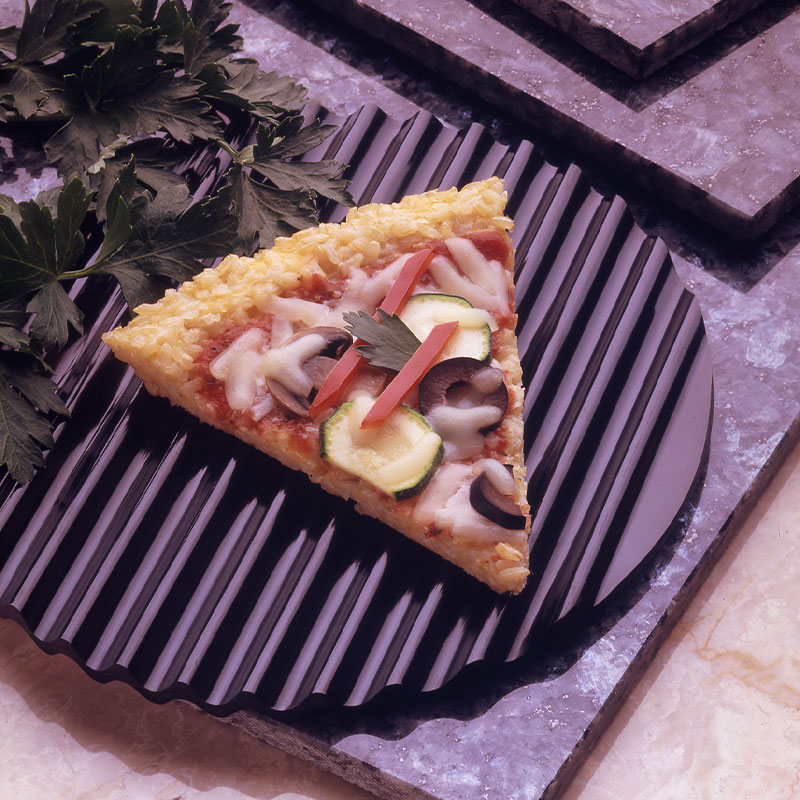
x,y
638,37
718,134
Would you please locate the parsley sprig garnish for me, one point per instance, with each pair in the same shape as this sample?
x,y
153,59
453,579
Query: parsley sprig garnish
x,y
390,343
130,100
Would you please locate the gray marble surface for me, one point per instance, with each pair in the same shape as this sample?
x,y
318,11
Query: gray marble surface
x,y
522,733
638,36
716,134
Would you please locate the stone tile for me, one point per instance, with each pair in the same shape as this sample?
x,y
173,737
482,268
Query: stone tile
x,y
719,135
522,734
638,37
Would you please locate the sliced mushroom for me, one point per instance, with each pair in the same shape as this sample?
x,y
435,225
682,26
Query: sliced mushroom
x,y
287,398
500,508
332,344
337,340
464,383
317,368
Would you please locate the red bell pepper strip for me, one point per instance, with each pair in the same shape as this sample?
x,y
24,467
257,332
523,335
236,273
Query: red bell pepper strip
x,y
404,284
345,369
411,373
336,381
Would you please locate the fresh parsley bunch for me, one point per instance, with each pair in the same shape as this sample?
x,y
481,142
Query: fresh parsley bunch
x,y
130,100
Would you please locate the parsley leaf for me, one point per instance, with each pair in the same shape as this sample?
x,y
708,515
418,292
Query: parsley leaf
x,y
45,32
54,314
125,92
29,87
8,41
25,397
35,256
46,28
280,197
264,212
41,249
276,149
390,342
12,319
169,239
205,38
240,83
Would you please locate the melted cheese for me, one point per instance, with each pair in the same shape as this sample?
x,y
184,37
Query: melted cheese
x,y
305,312
251,340
241,381
460,428
464,522
497,474
487,380
362,403
472,276
238,368
363,292
285,363
445,504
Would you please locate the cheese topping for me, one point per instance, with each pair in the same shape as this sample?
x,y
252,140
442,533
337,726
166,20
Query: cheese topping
x,y
285,363
487,380
237,368
500,477
363,292
297,310
362,403
472,276
446,505
460,428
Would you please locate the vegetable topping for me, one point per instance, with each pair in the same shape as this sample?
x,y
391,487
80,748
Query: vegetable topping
x,y
475,325
411,373
464,383
340,376
390,343
399,456
491,495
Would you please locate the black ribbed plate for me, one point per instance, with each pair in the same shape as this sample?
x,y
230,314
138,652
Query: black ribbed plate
x,y
160,551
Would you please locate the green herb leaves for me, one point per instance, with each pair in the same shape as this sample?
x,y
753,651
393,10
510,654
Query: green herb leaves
x,y
166,238
37,254
126,98
274,193
25,398
390,342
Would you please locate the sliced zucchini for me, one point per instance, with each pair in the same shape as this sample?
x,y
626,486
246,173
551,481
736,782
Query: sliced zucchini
x,y
399,456
473,338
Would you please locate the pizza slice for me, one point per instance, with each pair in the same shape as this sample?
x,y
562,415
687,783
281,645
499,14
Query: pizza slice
x,y
378,356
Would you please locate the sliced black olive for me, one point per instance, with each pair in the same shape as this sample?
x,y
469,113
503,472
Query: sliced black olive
x,y
453,382
497,507
336,341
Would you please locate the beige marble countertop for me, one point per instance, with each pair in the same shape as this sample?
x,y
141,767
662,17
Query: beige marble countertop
x,y
716,715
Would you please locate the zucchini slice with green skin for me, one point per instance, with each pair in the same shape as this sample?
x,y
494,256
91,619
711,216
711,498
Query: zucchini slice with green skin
x,y
474,335
398,456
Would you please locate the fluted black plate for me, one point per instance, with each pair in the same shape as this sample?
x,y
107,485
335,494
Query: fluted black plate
x,y
157,550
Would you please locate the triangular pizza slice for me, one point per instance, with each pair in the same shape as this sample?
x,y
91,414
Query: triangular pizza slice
x,y
378,356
